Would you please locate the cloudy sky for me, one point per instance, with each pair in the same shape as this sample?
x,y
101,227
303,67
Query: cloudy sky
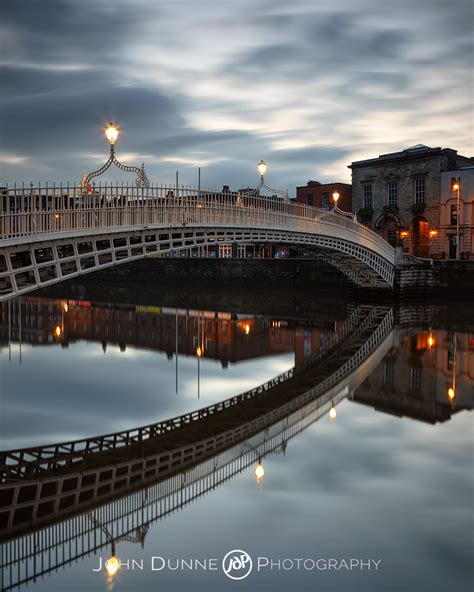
x,y
307,85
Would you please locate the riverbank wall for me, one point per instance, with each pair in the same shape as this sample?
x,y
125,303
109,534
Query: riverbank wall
x,y
418,280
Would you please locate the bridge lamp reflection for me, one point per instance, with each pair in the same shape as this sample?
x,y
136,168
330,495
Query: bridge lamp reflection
x,y
112,565
259,471
262,168
112,133
332,413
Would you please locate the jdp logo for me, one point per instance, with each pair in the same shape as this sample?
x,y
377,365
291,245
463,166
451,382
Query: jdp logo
x,y
237,564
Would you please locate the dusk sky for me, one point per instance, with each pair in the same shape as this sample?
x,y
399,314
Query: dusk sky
x,y
307,86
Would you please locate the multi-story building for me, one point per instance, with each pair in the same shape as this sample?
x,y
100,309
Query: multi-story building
x,y
399,195
444,243
319,195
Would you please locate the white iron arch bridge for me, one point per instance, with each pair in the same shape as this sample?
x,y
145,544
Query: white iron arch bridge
x,y
52,233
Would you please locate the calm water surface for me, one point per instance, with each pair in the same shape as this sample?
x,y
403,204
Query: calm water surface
x,y
389,480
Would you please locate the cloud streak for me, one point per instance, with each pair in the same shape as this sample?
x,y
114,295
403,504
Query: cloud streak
x,y
221,85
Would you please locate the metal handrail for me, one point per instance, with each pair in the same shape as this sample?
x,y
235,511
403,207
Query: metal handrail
x,y
38,211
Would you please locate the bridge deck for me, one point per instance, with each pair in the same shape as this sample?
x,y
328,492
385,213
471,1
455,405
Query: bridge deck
x,y
64,236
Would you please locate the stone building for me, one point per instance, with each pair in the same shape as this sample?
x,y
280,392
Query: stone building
x,y
445,239
399,195
319,195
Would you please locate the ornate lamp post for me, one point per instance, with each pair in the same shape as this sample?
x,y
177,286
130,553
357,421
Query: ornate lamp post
x,y
262,167
336,210
112,133
456,188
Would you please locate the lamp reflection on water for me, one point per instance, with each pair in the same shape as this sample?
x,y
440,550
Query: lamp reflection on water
x,y
259,471
112,565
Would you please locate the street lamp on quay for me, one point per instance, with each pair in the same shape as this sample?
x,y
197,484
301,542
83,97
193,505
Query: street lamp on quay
x,y
112,132
456,188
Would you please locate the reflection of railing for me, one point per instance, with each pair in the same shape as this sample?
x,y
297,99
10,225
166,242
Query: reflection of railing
x,y
36,460
38,553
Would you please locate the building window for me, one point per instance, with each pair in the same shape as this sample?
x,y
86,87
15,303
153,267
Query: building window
x,y
392,193
454,214
309,199
326,205
389,372
420,190
415,380
368,195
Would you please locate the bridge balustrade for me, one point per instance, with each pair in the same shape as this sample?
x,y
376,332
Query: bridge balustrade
x,y
34,211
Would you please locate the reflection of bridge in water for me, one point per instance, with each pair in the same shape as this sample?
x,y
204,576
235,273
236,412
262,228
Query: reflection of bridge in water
x,y
61,502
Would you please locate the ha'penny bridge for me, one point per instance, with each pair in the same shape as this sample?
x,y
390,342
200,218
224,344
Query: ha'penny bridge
x,y
49,234
54,232
59,503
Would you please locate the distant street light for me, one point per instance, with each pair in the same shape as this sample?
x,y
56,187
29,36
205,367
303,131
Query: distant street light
x,y
456,188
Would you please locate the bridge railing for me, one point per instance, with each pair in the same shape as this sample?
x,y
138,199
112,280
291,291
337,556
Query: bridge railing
x,y
37,211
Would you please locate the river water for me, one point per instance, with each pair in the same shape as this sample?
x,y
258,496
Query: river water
x,y
377,498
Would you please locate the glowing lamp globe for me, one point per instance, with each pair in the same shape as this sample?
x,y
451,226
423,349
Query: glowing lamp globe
x,y
198,351
247,329
335,196
451,393
259,471
112,133
112,565
262,168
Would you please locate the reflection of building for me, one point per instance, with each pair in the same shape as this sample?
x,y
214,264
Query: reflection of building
x,y
399,194
414,379
216,335
319,195
34,322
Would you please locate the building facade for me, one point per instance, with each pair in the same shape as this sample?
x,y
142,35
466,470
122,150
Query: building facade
x,y
400,196
319,195
444,243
